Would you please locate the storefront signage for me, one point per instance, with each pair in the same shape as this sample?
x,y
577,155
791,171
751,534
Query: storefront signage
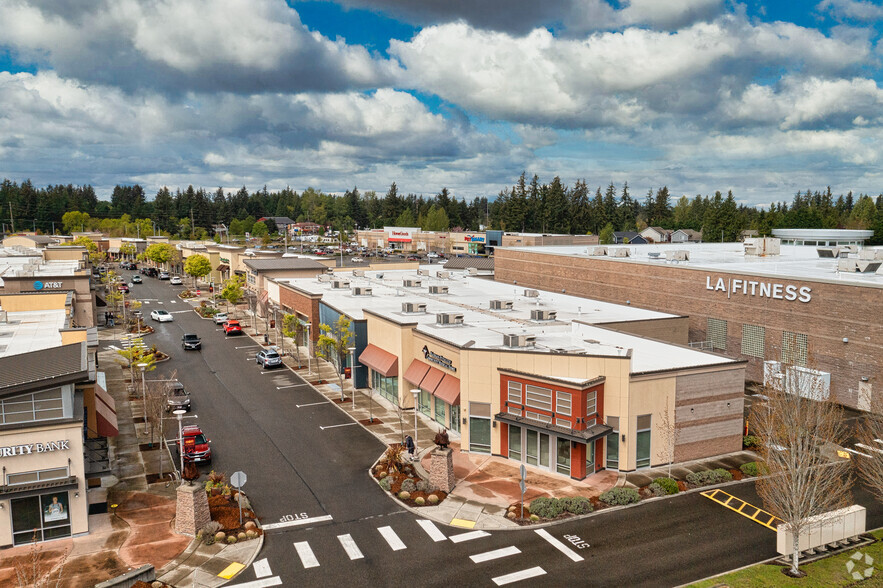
x,y
438,359
224,260
29,448
774,290
473,239
38,285
400,234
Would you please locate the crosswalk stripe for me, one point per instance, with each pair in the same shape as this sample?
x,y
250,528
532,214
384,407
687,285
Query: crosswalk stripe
x,y
352,550
307,558
262,568
431,530
869,448
394,542
495,554
261,583
468,536
518,576
558,545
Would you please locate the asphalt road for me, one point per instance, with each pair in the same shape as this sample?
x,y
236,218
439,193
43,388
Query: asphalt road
x,y
300,472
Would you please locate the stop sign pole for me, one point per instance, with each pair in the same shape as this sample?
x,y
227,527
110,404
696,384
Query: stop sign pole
x,y
238,479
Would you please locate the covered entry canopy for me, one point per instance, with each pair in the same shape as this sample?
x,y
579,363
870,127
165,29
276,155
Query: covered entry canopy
x,y
382,362
596,431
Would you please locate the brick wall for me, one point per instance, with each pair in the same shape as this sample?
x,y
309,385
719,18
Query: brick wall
x,y
835,311
304,304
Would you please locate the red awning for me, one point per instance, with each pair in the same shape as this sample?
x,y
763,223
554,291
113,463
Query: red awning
x,y
382,362
105,413
416,372
449,390
432,380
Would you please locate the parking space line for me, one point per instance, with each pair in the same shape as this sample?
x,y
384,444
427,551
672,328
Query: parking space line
x,y
307,557
290,386
335,426
558,545
311,404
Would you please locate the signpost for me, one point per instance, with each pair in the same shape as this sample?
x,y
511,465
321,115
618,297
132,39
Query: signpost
x,y
523,487
238,479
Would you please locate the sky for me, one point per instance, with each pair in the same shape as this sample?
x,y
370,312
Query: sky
x,y
763,98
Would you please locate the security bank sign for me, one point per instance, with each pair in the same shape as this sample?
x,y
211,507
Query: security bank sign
x,y
736,286
30,448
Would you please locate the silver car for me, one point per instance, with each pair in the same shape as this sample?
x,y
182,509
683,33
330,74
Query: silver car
x,y
268,358
161,316
177,397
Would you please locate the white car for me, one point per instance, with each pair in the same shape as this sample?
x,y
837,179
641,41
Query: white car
x,y
161,316
221,318
175,281
357,260
432,255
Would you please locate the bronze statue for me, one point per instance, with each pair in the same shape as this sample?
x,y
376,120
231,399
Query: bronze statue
x,y
441,439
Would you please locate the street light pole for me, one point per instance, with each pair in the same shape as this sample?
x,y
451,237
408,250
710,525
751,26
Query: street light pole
x,y
309,362
415,392
180,414
143,367
352,351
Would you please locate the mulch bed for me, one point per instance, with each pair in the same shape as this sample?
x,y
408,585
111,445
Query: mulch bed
x,y
148,446
339,401
398,478
154,478
225,511
142,584
368,422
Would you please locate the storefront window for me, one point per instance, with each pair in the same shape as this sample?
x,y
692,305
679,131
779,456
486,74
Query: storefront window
x,y
40,517
613,444
479,427
562,460
440,412
590,458
423,401
643,442
514,442
455,418
388,387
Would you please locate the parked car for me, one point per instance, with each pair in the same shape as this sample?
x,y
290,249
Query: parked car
x,y
161,316
357,260
136,279
191,341
164,275
175,281
124,288
432,255
196,445
177,397
268,358
413,258
220,318
232,328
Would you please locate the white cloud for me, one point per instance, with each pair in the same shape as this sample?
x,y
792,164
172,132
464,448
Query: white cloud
x,y
852,9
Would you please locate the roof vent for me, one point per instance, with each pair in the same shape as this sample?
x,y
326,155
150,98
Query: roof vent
x,y
443,275
438,289
621,252
678,255
594,251
531,293
515,340
361,291
448,318
411,283
472,271
339,284
421,272
359,273
413,308
543,315
828,252
323,278
501,305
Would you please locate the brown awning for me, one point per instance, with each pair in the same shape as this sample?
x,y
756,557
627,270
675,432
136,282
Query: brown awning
x,y
432,380
382,362
416,372
223,267
449,390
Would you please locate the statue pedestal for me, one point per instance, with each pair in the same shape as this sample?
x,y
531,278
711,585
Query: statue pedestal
x,y
441,469
191,512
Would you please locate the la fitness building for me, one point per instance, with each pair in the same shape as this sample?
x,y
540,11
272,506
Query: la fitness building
x,y
767,304
549,380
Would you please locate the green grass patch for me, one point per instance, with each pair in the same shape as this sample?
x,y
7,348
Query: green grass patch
x,y
824,573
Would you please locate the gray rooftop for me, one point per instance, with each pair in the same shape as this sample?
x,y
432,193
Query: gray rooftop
x,y
283,263
31,330
479,263
47,367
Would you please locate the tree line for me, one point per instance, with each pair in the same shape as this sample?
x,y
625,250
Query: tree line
x,y
527,206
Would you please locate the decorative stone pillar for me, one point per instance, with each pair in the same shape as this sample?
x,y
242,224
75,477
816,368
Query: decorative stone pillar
x,y
192,512
441,469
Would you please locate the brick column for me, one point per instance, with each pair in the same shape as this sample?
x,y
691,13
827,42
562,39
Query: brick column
x,y
192,512
441,469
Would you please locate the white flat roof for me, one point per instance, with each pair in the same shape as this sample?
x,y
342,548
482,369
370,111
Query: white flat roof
x,y
31,330
795,261
572,331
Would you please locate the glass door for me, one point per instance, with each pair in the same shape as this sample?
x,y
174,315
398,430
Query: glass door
x,y
514,442
562,456
590,458
455,418
544,450
479,435
536,451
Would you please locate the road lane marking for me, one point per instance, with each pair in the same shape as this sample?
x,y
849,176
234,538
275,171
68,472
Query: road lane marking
x,y
518,576
352,550
290,386
335,426
495,554
394,542
231,570
311,404
296,523
307,558
559,545
262,583
431,530
244,346
178,311
262,568
468,536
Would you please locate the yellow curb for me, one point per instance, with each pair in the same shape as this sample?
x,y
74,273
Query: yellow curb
x,y
231,570
463,523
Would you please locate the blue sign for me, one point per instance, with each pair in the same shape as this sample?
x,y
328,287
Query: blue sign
x,y
38,285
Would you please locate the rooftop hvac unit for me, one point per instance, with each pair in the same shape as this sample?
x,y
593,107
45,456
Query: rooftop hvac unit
x,y
340,284
324,278
866,266
361,291
421,272
329,271
359,273
449,318
531,293
472,271
413,307
653,255
677,255
870,254
543,315
443,275
594,251
515,340
411,283
807,383
621,252
828,252
438,289
501,305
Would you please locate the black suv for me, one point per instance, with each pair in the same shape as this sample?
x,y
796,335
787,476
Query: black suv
x,y
177,397
191,341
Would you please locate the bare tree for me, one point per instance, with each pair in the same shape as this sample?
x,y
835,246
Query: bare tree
x,y
669,433
35,573
800,480
870,465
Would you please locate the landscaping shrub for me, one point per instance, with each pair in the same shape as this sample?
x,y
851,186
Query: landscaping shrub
x,y
220,536
211,528
231,539
251,533
385,483
241,536
424,486
409,485
752,468
667,484
620,496
547,508
404,495
433,499
657,490
709,477
419,501
534,518
576,504
246,503
751,442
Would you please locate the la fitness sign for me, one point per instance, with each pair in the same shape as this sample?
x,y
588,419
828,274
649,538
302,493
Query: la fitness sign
x,y
30,448
777,291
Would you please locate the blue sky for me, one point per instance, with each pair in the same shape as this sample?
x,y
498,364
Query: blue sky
x,y
761,98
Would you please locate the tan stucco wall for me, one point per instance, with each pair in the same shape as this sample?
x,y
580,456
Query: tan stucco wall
x,y
26,302
73,336
65,253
